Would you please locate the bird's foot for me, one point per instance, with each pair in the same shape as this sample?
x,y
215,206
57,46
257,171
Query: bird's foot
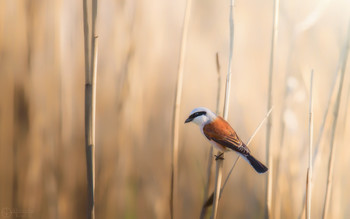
x,y
219,157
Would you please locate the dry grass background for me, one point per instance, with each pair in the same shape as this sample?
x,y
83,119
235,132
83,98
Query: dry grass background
x,y
42,154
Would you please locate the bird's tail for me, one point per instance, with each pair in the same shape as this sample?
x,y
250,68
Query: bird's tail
x,y
257,165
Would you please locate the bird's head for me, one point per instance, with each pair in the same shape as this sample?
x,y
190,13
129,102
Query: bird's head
x,y
201,116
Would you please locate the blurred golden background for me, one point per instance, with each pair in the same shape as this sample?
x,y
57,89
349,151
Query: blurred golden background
x,y
42,150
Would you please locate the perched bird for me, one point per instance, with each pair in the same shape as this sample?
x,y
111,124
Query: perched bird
x,y
222,136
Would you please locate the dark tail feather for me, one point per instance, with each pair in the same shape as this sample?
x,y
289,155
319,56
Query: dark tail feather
x,y
257,165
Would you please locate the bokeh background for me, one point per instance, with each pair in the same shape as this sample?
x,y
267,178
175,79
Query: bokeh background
x,y
42,149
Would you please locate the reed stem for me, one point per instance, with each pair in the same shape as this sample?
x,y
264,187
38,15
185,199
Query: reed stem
x,y
309,170
91,55
176,114
219,162
269,158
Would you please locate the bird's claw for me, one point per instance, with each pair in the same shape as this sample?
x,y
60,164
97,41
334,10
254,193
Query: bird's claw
x,y
219,157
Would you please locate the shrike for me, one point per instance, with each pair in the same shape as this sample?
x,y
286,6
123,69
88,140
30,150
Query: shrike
x,y
222,136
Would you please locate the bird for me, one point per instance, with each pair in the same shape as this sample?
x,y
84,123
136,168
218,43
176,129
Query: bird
x,y
222,136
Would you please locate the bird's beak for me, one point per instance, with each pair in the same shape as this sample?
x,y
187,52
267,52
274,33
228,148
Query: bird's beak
x,y
188,120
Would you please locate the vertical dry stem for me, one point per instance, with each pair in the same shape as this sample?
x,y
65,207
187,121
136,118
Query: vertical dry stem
x,y
334,125
218,178
176,115
86,40
309,170
210,160
218,94
268,198
90,101
219,162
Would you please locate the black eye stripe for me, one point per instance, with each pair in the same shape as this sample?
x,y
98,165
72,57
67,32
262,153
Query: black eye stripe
x,y
196,114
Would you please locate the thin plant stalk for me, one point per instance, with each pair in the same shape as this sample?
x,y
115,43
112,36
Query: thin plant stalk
x,y
229,73
176,114
334,126
307,194
317,150
86,40
206,189
91,55
218,178
269,158
219,162
218,95
210,159
309,170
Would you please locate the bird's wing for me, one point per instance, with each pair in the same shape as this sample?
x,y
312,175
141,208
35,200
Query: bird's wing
x,y
222,133
228,143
